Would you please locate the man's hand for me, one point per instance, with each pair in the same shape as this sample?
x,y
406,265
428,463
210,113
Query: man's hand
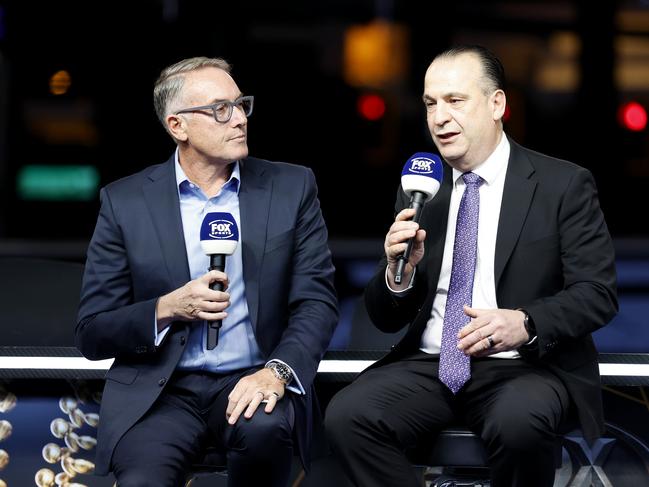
x,y
396,242
504,326
194,301
250,391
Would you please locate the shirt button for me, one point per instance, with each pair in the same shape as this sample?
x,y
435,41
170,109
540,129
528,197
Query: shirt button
x,y
182,340
162,381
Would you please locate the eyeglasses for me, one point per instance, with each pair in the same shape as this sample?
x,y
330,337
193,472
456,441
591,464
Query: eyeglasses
x,y
223,109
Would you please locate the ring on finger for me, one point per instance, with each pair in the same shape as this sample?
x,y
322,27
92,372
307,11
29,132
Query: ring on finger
x,y
491,342
275,394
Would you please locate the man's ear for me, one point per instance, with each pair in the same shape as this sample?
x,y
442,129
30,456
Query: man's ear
x,y
498,102
176,127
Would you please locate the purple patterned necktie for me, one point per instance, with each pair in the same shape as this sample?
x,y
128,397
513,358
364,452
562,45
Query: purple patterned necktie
x,y
454,366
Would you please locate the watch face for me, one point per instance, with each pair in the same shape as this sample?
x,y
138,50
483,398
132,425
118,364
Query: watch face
x,y
282,371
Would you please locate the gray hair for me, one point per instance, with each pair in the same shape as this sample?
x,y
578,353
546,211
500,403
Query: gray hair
x,y
171,79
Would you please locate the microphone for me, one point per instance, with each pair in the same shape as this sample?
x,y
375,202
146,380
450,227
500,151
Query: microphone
x,y
219,237
420,179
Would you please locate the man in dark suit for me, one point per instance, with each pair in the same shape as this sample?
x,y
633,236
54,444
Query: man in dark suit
x,y
146,298
512,268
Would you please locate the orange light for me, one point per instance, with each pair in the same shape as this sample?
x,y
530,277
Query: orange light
x,y
633,116
371,107
60,82
375,54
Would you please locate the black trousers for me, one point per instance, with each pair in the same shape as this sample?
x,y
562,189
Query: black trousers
x,y
515,407
189,415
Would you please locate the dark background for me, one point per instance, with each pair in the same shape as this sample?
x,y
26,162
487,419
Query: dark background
x,y
570,64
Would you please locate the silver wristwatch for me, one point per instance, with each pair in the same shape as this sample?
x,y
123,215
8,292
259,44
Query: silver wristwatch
x,y
281,371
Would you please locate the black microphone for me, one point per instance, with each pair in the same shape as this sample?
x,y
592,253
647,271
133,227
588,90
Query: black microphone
x,y
219,237
420,179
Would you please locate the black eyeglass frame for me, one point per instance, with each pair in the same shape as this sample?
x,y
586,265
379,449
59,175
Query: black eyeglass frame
x,y
230,104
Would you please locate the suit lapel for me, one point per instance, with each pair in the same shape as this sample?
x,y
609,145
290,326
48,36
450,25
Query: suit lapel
x,y
254,207
161,196
517,197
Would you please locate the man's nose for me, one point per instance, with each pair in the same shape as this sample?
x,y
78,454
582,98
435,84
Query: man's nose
x,y
442,114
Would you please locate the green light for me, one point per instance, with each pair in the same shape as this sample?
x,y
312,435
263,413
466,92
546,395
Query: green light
x,y
58,183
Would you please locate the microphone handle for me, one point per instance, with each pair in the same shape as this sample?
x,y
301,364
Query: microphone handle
x,y
417,201
217,263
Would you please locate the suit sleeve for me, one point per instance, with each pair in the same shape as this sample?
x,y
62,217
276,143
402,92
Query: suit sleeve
x,y
388,311
312,301
109,323
588,299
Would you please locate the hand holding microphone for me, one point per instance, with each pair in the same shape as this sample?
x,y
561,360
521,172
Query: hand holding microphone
x,y
204,298
420,179
219,237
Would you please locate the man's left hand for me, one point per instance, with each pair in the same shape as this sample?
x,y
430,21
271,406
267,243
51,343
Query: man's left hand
x,y
251,391
491,331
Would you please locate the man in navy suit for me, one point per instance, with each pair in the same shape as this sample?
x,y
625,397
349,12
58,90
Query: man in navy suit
x,y
146,298
512,268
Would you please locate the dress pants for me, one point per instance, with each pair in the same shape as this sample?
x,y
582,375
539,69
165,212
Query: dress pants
x,y
190,415
516,408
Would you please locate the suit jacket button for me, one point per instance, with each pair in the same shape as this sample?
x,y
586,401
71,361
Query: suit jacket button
x,y
182,340
162,381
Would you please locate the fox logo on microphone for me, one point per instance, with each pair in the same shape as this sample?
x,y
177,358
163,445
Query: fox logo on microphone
x,y
219,233
422,165
423,172
220,229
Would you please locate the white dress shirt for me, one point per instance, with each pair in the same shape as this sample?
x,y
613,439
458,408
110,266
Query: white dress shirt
x,y
493,171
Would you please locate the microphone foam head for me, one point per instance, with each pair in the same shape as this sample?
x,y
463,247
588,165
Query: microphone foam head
x,y
219,234
423,172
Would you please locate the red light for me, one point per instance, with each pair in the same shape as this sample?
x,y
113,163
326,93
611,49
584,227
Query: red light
x,y
633,116
507,113
371,107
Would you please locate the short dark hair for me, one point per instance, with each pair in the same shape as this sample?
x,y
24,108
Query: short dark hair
x,y
494,71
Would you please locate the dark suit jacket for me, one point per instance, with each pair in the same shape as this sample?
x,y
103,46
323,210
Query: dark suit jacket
x,y
137,254
554,258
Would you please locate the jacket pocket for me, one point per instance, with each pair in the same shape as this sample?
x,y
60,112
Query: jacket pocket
x,y
122,374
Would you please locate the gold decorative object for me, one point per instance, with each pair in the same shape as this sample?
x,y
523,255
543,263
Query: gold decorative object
x,y
7,401
86,442
92,419
51,453
59,427
5,429
67,404
44,478
83,466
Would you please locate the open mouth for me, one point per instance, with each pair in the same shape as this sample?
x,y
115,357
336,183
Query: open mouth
x,y
447,136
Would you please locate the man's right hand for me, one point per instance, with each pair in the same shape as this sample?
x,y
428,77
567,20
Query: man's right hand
x,y
194,301
395,245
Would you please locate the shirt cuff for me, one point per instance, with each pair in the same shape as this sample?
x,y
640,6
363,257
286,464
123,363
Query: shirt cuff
x,y
403,291
295,385
158,337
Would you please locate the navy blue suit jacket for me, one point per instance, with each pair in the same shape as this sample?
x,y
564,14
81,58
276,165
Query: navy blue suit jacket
x,y
137,254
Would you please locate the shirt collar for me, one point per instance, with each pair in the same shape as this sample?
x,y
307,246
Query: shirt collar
x,y
233,183
493,166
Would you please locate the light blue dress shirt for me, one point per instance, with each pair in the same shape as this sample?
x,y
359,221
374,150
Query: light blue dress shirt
x,y
237,348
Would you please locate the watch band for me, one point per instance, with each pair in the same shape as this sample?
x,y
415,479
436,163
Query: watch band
x,y
528,323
